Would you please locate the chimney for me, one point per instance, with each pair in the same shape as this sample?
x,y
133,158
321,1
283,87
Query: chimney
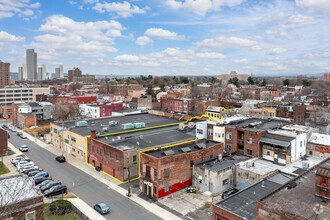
x,y
93,134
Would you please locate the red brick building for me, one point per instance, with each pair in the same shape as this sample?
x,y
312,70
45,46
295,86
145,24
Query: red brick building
x,y
326,77
123,89
165,171
4,74
72,99
3,142
76,72
297,112
178,105
26,120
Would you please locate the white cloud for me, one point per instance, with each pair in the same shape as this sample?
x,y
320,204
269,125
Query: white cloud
x,y
221,42
72,2
164,34
66,36
142,41
9,8
298,20
243,60
210,56
277,51
201,7
124,9
127,58
6,37
280,34
322,6
90,1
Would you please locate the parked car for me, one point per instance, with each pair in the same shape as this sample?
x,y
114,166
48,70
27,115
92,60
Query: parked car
x,y
16,159
44,183
23,136
27,171
41,179
32,173
55,190
26,164
102,208
45,174
24,148
60,159
13,130
23,168
50,185
228,193
26,159
19,133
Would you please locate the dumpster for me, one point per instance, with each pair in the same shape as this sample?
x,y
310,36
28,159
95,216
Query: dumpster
x,y
191,189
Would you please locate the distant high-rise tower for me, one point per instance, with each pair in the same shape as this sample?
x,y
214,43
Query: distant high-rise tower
x,y
59,72
4,74
20,73
43,67
24,72
31,64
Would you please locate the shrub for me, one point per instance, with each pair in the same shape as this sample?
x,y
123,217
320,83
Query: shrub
x,y
60,207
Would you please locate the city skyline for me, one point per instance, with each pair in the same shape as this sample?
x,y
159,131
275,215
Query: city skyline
x,y
170,37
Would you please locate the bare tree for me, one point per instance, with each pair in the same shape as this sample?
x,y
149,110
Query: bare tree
x,y
65,112
317,120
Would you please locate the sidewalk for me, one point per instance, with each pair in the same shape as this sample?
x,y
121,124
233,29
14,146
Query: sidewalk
x,y
7,161
112,184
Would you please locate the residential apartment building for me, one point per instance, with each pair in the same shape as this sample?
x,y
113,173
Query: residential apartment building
x,y
123,89
319,145
264,111
297,112
96,110
4,74
87,79
76,72
143,103
168,170
3,142
6,111
21,94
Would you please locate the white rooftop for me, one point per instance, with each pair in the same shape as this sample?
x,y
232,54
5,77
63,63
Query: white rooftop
x,y
317,138
15,189
263,167
301,128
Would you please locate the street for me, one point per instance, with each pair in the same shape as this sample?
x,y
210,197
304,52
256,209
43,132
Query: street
x,y
87,188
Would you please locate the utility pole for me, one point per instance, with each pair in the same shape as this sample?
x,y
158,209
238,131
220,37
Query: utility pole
x,y
129,177
35,128
62,137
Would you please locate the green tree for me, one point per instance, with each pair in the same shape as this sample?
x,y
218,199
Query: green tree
x,y
263,83
184,79
162,87
234,81
213,79
286,82
176,79
149,89
250,80
306,83
150,77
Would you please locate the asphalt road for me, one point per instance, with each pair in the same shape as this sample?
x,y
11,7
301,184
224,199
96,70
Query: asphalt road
x,y
87,188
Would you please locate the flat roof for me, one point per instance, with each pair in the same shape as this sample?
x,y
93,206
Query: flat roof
x,y
149,138
300,200
98,124
17,188
322,139
194,146
243,203
275,139
224,163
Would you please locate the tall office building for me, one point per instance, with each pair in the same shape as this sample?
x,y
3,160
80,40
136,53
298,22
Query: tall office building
x,y
31,64
24,72
4,74
59,74
42,72
20,73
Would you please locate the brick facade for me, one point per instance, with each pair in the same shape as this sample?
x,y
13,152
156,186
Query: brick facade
x,y
3,142
222,214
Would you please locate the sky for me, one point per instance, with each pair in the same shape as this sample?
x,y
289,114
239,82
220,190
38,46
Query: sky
x,y
169,37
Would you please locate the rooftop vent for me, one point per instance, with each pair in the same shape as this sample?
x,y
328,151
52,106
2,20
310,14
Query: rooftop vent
x,y
291,185
169,152
186,149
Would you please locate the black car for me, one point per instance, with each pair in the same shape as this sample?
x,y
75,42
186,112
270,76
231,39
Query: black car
x,y
55,190
32,169
41,179
32,173
44,183
49,185
60,159
229,192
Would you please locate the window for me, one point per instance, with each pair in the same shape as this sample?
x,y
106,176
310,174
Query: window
x,y
134,158
55,130
66,141
191,163
93,148
100,151
225,182
268,153
300,143
223,135
249,140
199,131
228,147
228,135
167,172
211,156
167,187
155,172
73,139
210,131
119,158
249,152
112,156
310,152
30,215
155,190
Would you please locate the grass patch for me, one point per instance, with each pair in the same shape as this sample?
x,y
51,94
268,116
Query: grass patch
x,y
21,155
65,196
48,215
3,169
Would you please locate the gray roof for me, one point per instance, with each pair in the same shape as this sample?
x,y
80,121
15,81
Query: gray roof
x,y
224,163
257,123
243,203
98,124
275,139
194,146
